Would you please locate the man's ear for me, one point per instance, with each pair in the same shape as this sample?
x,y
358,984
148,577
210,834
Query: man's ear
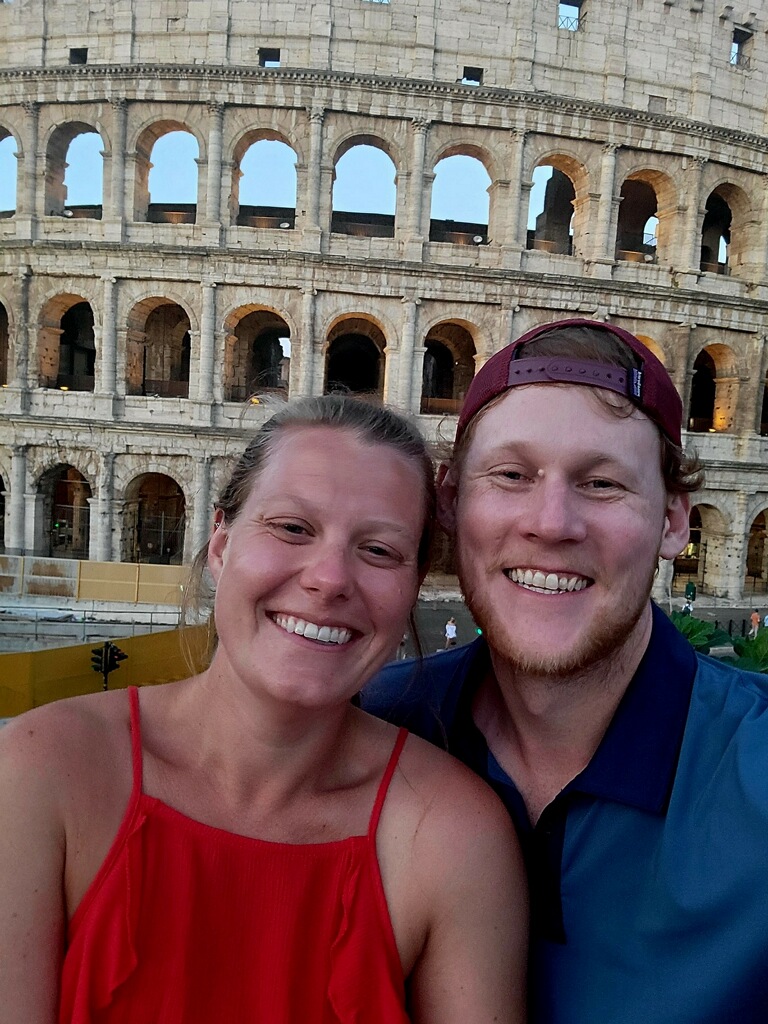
x,y
676,525
217,545
447,493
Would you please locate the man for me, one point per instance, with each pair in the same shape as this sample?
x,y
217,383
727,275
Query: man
x,y
636,772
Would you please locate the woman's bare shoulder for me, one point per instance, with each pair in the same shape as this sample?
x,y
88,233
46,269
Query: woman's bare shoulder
x,y
59,742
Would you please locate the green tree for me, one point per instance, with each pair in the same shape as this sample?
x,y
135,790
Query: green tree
x,y
751,654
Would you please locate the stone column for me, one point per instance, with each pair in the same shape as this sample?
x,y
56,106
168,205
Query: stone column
x,y
406,398
313,234
212,218
26,217
107,349
417,376
115,216
662,584
203,389
14,543
518,195
34,527
18,370
414,242
690,241
301,382
100,549
605,243
735,560
762,253
201,512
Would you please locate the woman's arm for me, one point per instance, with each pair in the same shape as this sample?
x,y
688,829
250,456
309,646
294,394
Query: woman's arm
x,y
473,964
32,846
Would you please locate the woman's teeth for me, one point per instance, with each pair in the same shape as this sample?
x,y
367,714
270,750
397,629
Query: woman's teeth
x,y
325,634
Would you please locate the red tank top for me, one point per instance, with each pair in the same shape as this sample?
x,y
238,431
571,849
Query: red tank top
x,y
185,923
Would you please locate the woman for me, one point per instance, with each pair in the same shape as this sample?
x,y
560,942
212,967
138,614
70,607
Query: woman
x,y
247,845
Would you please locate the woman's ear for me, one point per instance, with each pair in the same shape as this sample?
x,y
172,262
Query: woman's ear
x,y
217,545
446,498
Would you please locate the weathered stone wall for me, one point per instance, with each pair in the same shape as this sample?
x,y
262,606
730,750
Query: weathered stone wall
x,y
641,92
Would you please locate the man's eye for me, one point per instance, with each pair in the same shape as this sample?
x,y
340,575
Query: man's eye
x,y
601,484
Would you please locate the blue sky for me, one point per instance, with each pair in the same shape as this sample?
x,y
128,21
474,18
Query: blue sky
x,y
364,178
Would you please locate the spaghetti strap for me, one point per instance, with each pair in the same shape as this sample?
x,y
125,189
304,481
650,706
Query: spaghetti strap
x,y
133,701
381,796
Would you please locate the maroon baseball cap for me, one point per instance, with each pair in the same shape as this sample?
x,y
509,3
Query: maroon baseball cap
x,y
649,387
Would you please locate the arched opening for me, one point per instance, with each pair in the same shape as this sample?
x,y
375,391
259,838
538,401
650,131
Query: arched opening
x,y
634,242
77,349
764,410
716,235
756,576
265,184
154,518
166,174
550,211
460,208
74,172
702,408
258,355
158,350
689,564
364,194
8,174
65,493
654,346
355,359
714,390
448,368
4,345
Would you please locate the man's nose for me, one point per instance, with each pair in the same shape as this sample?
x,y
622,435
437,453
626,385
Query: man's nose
x,y
554,512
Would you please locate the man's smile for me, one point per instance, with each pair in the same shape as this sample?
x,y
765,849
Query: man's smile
x,y
543,582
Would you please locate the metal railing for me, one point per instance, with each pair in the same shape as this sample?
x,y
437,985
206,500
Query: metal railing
x,y
568,23
741,60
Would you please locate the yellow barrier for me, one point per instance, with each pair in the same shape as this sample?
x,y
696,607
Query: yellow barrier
x,y
31,678
66,578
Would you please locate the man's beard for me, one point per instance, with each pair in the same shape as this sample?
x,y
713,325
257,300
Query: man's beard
x,y
603,643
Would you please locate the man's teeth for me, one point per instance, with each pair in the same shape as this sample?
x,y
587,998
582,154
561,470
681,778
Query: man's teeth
x,y
325,634
535,579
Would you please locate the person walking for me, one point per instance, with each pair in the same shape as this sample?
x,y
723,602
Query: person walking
x,y
451,632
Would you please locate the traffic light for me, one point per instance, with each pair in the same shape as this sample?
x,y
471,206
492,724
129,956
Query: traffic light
x,y
97,659
114,656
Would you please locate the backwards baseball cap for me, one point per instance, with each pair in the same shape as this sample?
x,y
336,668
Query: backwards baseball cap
x,y
648,386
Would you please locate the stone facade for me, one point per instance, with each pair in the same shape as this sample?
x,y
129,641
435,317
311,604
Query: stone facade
x,y
133,335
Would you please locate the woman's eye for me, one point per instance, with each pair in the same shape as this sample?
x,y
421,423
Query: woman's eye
x,y
378,551
296,529
599,485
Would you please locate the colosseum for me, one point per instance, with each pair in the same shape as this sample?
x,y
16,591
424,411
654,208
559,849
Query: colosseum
x,y
620,151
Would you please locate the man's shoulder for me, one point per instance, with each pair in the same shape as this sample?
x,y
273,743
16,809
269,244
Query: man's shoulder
x,y
423,693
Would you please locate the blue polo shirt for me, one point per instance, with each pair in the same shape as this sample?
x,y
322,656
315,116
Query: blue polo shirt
x,y
649,871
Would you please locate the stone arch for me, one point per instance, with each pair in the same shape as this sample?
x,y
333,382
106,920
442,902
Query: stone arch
x,y
257,353
703,561
654,346
59,141
66,347
367,222
354,359
10,151
756,568
448,366
64,512
726,229
261,215
148,135
450,223
714,390
647,195
153,520
560,222
158,348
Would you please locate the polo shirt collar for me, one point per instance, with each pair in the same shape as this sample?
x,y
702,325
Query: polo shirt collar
x,y
636,760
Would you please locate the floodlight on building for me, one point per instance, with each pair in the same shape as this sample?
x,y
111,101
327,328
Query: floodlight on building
x,y
284,224
477,239
63,388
